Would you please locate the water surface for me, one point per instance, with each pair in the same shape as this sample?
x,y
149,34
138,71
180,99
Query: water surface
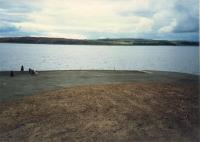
x,y
85,57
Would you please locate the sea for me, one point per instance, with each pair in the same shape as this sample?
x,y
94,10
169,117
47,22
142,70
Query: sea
x,y
41,57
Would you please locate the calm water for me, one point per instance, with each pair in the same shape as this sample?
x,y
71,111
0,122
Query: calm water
x,y
63,57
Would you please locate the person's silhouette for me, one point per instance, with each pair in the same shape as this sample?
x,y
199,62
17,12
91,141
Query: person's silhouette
x,y
12,73
22,68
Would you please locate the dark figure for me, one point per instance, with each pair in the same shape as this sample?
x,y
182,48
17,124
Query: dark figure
x,y
12,73
32,72
22,68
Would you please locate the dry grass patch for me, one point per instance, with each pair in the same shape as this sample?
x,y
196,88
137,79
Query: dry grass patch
x,y
120,112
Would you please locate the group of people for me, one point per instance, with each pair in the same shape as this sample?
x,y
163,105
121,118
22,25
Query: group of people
x,y
31,71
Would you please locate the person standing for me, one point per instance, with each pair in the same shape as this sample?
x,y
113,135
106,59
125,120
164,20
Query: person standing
x,y
12,73
22,68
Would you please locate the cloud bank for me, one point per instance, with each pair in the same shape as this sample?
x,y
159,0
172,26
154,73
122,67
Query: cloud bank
x,y
155,19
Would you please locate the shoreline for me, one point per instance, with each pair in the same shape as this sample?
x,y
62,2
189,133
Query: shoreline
x,y
102,70
196,45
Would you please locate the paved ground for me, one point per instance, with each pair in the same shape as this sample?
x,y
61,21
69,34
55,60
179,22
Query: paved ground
x,y
24,84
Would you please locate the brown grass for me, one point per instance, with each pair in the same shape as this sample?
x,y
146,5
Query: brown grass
x,y
105,113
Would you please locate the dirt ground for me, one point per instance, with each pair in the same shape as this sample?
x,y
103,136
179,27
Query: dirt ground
x,y
125,112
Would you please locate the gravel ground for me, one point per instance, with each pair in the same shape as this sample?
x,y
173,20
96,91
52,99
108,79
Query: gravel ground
x,y
105,106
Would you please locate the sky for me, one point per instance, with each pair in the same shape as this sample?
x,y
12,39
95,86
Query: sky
x,y
92,19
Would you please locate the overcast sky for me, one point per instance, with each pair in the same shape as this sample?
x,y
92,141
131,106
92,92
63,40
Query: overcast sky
x,y
154,19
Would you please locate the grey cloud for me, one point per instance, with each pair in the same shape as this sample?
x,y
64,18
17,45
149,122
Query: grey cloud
x,y
187,16
141,13
145,13
188,25
10,18
8,29
17,6
13,11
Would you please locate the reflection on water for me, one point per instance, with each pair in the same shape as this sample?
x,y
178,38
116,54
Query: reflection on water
x,y
64,57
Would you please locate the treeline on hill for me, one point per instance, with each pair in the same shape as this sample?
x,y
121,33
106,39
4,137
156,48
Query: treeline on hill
x,y
122,41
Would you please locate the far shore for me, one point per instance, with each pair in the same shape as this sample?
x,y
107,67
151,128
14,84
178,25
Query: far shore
x,y
109,106
107,41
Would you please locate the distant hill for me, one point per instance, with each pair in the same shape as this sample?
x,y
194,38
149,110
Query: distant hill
x,y
120,41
